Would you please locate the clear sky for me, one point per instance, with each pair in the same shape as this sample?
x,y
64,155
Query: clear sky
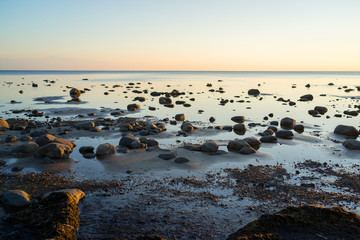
x,y
239,35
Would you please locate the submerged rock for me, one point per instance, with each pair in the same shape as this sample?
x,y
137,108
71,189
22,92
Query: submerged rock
x,y
181,160
167,156
303,222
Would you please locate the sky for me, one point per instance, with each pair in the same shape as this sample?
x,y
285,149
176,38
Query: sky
x,y
204,35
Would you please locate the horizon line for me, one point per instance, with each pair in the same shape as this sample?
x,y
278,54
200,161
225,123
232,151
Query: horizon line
x,y
62,70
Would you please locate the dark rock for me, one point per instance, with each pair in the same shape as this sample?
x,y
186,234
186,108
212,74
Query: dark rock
x,y
38,133
238,119
140,99
187,127
307,97
351,113
127,140
212,119
165,100
313,112
180,117
236,145
86,149
287,123
10,139
152,143
247,150
275,123
299,128
85,125
254,92
75,93
133,107
240,127
321,110
105,149
29,147
169,105
253,142
54,151
348,131
269,139
285,134
16,198
181,160
167,156
210,147
45,139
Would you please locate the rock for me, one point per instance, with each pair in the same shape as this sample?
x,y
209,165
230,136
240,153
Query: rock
x,y
155,94
212,119
4,125
105,149
29,147
238,119
269,139
140,99
150,237
10,139
38,133
76,194
181,160
210,147
307,97
152,143
345,130
287,123
137,145
299,128
16,198
285,134
236,145
253,142
275,123
85,125
313,112
133,107
187,127
54,151
321,110
25,138
303,222
180,117
352,144
45,139
86,149
75,93
254,92
127,140
165,100
351,113
167,156
240,127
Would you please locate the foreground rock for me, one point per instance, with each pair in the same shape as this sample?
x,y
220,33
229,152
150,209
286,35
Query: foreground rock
x,y
352,144
349,131
54,217
54,151
4,125
287,123
305,222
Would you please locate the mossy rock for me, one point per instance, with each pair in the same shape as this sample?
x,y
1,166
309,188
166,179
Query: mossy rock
x,y
55,217
304,222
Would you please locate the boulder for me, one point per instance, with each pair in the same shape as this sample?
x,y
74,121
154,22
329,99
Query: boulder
x,y
236,145
187,127
54,151
238,119
307,97
45,139
105,149
133,107
4,125
299,128
210,147
285,134
180,117
240,127
287,123
352,144
85,125
152,143
76,194
16,198
126,140
253,142
321,110
269,139
86,149
254,92
349,131
75,93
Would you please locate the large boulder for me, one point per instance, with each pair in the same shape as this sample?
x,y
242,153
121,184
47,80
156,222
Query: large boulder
x,y
210,147
54,151
16,198
45,139
349,131
4,125
105,149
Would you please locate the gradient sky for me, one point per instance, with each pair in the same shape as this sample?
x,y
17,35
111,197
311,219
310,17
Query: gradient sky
x,y
239,35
